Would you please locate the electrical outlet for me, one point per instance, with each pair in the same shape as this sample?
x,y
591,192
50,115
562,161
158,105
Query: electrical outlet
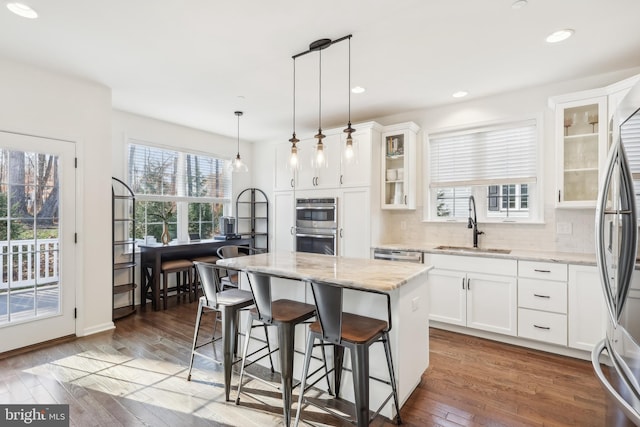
x,y
403,225
563,228
415,303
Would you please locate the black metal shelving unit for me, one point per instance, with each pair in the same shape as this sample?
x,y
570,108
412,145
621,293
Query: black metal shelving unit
x,y
252,217
123,214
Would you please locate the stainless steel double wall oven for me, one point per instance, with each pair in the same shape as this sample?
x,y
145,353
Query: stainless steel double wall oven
x,y
317,225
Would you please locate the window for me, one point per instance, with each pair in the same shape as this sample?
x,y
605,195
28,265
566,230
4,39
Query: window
x,y
190,192
497,164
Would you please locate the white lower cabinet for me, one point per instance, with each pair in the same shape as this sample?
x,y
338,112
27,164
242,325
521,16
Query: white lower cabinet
x,y
542,301
587,309
285,221
482,296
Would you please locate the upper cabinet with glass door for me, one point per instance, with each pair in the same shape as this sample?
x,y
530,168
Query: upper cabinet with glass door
x,y
399,166
581,129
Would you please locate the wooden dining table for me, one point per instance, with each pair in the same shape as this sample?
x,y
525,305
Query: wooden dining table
x,y
153,255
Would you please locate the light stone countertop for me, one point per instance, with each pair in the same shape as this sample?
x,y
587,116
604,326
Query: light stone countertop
x,y
544,256
361,273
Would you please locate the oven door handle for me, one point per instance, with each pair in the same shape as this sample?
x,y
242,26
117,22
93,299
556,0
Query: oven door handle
x,y
318,236
317,207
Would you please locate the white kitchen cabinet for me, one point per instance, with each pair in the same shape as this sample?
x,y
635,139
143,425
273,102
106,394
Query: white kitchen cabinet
x,y
542,301
309,175
284,175
356,171
587,309
475,292
581,148
354,227
284,221
398,177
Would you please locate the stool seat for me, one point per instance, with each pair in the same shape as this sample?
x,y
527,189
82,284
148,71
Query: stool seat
x,y
356,329
231,297
211,259
288,311
176,264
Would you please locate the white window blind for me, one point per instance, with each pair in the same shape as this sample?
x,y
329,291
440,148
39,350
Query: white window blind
x,y
504,154
157,171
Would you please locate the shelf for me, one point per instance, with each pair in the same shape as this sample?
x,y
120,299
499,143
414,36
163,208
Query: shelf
x,y
583,135
395,181
394,156
124,265
123,216
125,287
253,197
581,170
119,313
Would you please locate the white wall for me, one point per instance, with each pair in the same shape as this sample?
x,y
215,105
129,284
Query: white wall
x,y
43,103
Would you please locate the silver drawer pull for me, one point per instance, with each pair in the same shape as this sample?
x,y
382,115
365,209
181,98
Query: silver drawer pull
x,y
541,296
546,328
541,271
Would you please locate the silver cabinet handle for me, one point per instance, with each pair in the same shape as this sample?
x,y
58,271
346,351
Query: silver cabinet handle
x,y
469,284
463,283
542,271
405,199
291,231
546,328
341,180
341,232
291,182
541,296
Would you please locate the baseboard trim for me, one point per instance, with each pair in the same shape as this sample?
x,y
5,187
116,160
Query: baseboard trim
x,y
97,329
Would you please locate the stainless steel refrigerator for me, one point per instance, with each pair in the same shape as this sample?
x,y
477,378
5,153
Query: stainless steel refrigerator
x,y
616,252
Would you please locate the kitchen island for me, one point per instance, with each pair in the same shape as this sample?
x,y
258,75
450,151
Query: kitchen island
x,y
406,284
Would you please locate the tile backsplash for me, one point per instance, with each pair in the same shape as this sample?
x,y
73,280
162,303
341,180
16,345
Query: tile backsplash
x,y
564,231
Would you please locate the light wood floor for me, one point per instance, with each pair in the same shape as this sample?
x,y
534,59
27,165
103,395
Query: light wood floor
x,y
136,376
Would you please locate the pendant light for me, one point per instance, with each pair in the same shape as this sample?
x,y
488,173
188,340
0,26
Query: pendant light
x,y
348,151
319,159
237,165
293,158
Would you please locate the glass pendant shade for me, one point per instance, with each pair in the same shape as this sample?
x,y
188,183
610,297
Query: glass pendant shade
x,y
237,165
293,157
348,150
320,160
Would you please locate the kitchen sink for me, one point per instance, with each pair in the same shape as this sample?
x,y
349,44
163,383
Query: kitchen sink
x,y
469,249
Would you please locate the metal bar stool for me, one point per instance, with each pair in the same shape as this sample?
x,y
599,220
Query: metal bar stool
x,y
355,332
177,266
209,259
233,251
227,304
284,314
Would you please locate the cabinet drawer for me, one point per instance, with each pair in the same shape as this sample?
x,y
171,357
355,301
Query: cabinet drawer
x,y
475,264
542,270
542,295
542,326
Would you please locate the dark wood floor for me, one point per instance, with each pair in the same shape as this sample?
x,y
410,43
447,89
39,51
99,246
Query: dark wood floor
x,y
136,376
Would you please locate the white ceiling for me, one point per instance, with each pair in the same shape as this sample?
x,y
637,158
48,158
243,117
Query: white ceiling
x,y
194,62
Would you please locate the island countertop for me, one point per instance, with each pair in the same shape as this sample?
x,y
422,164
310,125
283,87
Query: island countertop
x,y
362,273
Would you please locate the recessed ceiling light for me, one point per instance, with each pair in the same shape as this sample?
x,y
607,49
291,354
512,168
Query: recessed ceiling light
x,y
559,35
22,9
460,94
519,4
358,89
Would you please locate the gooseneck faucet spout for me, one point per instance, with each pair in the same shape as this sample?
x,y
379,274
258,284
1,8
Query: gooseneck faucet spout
x,y
473,221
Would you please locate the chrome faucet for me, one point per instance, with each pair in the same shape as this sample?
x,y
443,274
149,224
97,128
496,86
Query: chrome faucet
x,y
473,221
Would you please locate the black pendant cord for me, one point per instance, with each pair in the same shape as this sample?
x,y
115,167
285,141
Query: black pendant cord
x,y
294,140
349,87
320,95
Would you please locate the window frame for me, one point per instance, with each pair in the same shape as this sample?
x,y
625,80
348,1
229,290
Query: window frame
x,y
480,190
181,216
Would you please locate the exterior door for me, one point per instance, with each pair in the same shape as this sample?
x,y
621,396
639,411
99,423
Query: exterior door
x,y
37,249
